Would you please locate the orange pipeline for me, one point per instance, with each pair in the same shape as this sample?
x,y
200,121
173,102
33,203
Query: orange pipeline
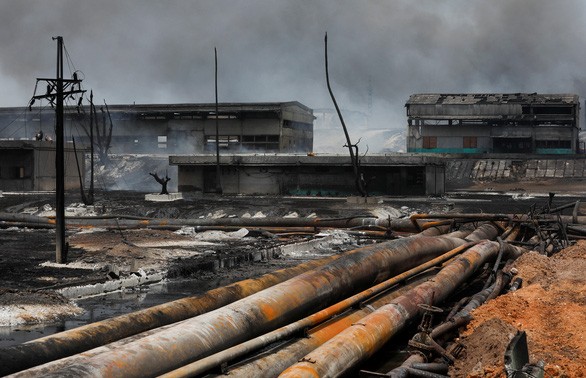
x,y
224,356
175,346
364,338
67,343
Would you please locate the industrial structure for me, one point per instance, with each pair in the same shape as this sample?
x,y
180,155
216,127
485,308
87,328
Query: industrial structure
x,y
178,128
321,175
30,166
493,123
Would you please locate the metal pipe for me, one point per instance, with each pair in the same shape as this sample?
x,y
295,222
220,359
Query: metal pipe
x,y
424,374
464,315
364,338
486,231
469,217
36,352
403,224
495,217
415,223
434,367
401,371
566,206
177,345
273,362
249,346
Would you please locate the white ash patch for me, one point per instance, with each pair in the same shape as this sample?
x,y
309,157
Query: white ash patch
x,y
12,315
386,212
325,243
92,230
172,243
217,214
212,235
74,265
32,307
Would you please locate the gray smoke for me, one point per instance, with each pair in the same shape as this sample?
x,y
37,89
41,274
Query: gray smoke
x,y
163,51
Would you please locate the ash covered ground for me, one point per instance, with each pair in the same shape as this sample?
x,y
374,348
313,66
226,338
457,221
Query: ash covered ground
x,y
31,284
99,255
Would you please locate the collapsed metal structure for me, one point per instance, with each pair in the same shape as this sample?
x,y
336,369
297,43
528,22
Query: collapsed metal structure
x,y
348,306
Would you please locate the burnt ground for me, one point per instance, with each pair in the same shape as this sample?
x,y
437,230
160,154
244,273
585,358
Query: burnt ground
x,y
23,250
26,278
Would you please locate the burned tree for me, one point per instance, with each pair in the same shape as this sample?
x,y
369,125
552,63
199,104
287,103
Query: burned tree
x,y
104,134
352,148
162,181
103,139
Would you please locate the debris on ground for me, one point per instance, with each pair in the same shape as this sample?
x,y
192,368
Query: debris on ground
x,y
29,306
550,307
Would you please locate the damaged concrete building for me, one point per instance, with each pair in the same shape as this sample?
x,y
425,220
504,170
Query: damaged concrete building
x,y
30,166
323,175
179,128
493,123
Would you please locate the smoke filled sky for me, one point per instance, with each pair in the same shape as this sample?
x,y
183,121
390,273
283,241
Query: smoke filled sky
x,y
144,51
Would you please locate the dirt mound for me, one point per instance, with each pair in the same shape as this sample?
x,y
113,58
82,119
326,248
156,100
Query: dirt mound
x,y
551,308
483,353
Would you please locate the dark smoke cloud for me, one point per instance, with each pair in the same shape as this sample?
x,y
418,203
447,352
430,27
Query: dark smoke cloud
x,y
162,51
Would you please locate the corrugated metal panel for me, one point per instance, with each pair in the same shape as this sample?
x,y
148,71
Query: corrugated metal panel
x,y
475,98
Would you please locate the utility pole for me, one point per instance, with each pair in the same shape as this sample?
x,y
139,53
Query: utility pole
x,y
57,90
218,169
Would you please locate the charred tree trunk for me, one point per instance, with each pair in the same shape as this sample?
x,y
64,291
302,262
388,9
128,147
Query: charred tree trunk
x,y
162,181
87,200
352,148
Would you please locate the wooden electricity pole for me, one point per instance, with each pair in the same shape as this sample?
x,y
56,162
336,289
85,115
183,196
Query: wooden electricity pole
x,y
57,90
218,169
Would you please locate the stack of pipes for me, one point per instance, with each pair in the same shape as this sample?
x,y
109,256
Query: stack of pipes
x,y
357,313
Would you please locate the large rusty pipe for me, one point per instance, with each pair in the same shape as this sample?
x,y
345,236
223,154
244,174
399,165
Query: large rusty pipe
x,y
364,338
249,346
259,313
568,219
403,224
67,343
271,365
486,231
415,223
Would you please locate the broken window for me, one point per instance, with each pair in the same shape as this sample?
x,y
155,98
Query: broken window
x,y
162,141
227,142
552,110
261,142
566,144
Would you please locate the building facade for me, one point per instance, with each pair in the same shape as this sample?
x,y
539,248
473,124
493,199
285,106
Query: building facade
x,y
177,128
321,175
493,123
30,166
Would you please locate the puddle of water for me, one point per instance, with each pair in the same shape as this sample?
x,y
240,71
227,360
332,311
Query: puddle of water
x,y
106,306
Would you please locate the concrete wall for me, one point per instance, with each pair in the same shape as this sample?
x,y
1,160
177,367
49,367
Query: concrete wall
x,y
45,171
28,166
322,180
